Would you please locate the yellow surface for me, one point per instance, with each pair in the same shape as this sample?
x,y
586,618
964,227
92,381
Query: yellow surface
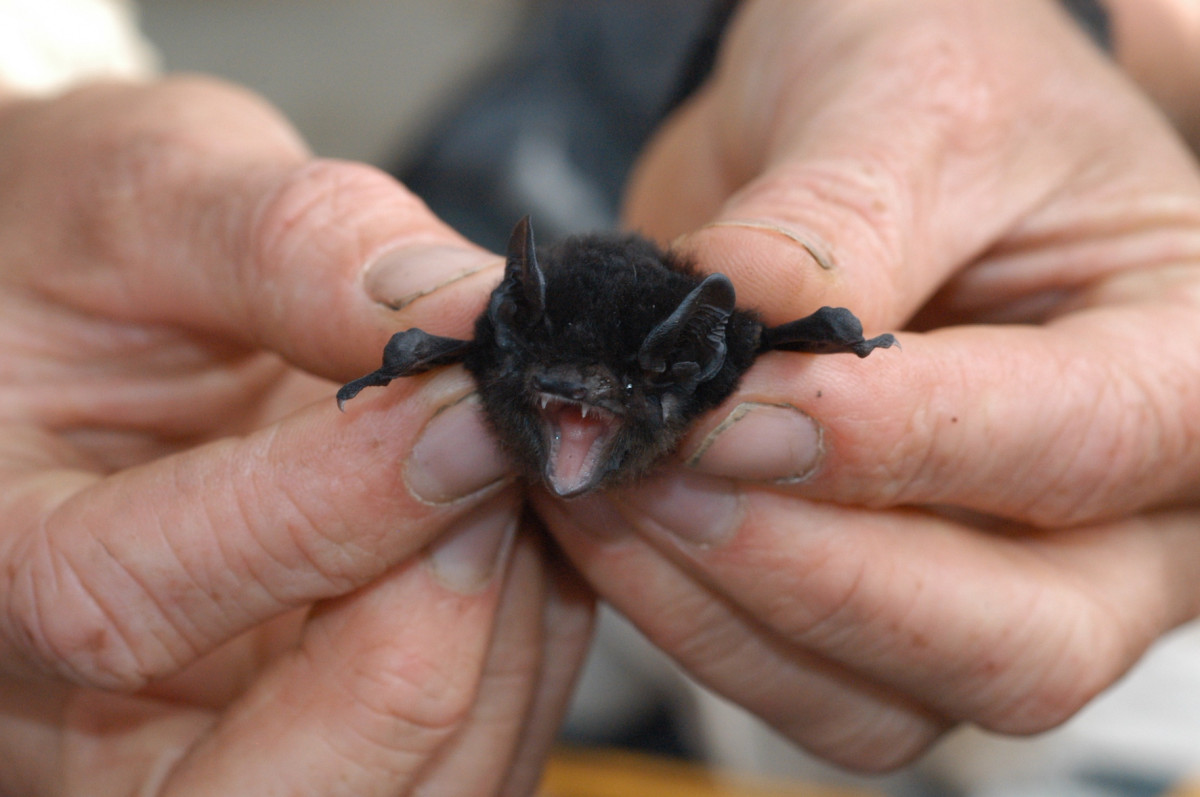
x,y
608,773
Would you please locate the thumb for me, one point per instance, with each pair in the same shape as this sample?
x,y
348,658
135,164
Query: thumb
x,y
859,153
191,206
192,203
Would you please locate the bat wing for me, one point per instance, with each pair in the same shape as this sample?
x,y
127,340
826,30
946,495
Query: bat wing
x,y
828,331
409,352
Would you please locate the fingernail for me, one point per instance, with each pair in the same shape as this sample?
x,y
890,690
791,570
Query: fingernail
x,y
818,249
699,510
455,456
399,277
762,442
473,549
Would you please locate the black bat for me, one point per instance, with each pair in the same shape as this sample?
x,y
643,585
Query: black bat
x,y
591,364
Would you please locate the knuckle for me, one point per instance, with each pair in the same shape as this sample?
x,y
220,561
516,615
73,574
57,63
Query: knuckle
x,y
340,200
396,702
134,146
67,631
199,116
834,578
860,729
323,217
952,86
405,687
1115,454
871,742
1047,686
1041,707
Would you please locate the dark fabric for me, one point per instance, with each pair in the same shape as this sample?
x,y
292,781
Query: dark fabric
x,y
703,55
553,128
1093,18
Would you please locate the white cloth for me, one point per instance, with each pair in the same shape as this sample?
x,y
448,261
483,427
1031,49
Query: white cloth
x,y
47,46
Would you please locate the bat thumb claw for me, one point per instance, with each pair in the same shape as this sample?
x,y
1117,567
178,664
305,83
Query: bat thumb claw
x,y
348,392
863,348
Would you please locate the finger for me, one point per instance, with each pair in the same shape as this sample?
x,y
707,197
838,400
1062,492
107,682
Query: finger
x,y
381,682
889,148
1015,632
478,756
824,707
120,580
191,203
567,621
1055,425
101,743
524,687
69,740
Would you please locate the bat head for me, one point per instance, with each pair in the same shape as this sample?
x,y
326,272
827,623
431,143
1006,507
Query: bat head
x,y
589,380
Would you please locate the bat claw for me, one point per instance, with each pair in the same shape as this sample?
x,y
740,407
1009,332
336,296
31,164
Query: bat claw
x,y
352,389
863,348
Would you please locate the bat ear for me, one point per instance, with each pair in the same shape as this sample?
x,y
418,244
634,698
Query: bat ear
x,y
689,346
519,302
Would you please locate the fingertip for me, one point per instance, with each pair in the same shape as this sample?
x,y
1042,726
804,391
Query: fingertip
x,y
473,550
309,258
763,442
398,277
786,269
335,249
455,456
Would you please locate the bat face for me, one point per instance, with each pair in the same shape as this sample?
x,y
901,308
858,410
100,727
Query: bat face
x,y
592,363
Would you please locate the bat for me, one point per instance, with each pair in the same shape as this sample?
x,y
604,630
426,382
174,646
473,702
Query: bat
x,y
593,356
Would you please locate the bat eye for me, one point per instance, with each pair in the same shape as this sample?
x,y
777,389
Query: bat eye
x,y
629,388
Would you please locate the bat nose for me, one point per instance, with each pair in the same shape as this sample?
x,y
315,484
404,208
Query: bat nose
x,y
566,388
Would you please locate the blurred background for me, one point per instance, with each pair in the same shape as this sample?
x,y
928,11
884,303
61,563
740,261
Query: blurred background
x,y
360,78
490,109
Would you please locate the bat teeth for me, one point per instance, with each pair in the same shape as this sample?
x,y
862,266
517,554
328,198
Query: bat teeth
x,y
548,401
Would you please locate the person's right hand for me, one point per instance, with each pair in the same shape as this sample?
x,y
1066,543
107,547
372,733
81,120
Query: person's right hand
x,y
214,582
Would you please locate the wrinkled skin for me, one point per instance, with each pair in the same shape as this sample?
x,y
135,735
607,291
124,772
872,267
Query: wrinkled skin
x,y
215,583
993,525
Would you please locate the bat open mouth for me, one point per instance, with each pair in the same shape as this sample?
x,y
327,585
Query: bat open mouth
x,y
577,437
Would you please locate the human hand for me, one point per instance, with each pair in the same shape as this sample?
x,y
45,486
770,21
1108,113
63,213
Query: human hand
x,y
992,525
214,585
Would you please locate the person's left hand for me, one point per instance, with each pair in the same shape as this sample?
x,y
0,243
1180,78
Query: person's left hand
x,y
993,524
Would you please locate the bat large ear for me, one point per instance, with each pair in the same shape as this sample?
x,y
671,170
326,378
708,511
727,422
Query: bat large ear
x,y
519,302
689,346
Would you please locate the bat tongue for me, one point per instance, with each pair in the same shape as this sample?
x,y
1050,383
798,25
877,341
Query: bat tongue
x,y
579,436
